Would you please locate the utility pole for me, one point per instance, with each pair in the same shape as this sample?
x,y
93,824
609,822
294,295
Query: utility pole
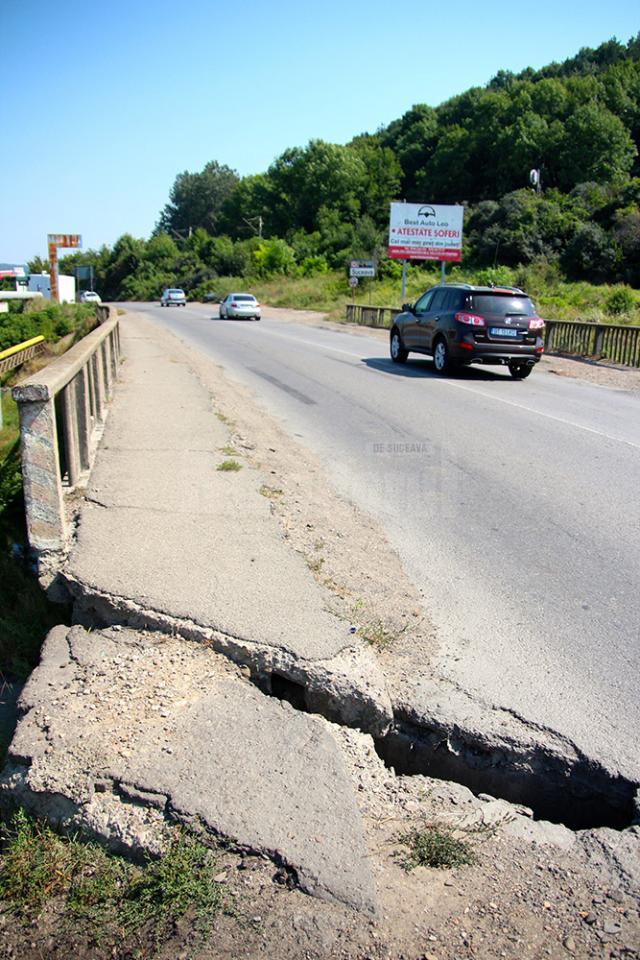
x,y
252,221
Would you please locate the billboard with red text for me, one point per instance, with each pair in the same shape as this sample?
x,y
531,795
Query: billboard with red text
x,y
424,231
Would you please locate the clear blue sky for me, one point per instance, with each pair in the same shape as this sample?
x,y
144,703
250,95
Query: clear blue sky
x,y
103,104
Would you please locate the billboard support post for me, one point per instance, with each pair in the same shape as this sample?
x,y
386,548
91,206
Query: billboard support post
x,y
55,240
443,266
404,280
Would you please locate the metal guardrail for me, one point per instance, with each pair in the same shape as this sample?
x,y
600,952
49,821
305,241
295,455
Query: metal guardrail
x,y
62,411
371,316
15,356
602,341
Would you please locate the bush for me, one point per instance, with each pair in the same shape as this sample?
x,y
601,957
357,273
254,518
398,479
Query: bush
x,y
495,276
620,301
311,266
52,322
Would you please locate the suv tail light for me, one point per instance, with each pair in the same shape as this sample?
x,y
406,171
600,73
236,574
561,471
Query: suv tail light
x,y
471,319
535,323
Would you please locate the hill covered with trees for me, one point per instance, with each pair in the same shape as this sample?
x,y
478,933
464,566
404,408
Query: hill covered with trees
x,y
318,206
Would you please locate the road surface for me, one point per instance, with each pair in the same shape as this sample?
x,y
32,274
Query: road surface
x,y
514,506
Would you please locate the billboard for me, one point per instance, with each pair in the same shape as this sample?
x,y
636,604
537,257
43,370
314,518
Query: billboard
x,y
424,231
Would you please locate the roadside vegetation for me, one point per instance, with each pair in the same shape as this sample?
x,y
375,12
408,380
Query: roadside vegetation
x,y
103,899
288,233
435,845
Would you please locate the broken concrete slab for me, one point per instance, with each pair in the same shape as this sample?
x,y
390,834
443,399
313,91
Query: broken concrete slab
x,y
124,733
165,539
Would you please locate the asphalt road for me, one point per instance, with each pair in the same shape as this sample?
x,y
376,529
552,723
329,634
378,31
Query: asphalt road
x,y
514,505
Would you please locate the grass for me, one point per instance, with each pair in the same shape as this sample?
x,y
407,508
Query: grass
x,y
229,451
555,297
229,466
315,564
109,895
377,635
435,845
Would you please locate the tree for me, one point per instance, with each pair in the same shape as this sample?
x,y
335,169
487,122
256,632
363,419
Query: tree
x,y
197,199
596,146
591,255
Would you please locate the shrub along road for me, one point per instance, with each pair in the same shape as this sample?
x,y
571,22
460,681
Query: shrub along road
x,y
512,505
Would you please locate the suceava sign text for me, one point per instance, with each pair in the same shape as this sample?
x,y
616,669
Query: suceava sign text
x,y
424,231
362,268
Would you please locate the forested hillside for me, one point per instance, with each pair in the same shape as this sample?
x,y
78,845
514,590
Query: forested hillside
x,y
319,205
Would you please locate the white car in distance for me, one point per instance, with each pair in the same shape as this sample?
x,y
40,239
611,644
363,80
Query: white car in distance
x,y
90,296
241,306
173,297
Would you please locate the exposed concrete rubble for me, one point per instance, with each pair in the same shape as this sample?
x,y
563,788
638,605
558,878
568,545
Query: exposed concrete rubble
x,y
126,732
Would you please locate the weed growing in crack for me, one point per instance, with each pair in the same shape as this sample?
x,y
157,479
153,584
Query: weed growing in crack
x,y
271,493
229,451
105,894
315,563
435,845
229,466
377,635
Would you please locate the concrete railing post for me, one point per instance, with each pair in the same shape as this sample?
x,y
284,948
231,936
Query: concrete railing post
x,y
75,389
46,523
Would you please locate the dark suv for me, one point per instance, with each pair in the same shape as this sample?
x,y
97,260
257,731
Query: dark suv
x,y
460,324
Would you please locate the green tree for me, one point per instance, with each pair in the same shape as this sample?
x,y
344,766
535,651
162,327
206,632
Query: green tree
x,y
596,146
197,199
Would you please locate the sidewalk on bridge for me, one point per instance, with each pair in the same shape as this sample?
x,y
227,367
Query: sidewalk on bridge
x,y
168,539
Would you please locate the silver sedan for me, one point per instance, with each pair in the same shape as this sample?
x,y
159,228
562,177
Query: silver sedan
x,y
241,306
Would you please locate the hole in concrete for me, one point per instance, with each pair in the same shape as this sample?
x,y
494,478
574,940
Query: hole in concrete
x,y
285,689
580,795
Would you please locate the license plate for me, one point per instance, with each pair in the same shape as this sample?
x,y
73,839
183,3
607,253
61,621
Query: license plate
x,y
503,332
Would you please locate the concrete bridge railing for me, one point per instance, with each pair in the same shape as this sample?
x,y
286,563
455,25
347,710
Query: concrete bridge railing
x,y
62,410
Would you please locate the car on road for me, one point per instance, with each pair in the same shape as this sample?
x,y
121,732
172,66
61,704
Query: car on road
x,y
173,297
90,296
459,324
240,305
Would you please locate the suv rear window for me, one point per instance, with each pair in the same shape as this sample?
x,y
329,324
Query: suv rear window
x,y
501,305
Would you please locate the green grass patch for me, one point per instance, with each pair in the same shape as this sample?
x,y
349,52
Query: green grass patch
x,y
111,897
229,466
435,845
229,451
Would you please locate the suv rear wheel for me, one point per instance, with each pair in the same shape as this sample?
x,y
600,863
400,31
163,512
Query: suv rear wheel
x,y
520,370
441,358
396,348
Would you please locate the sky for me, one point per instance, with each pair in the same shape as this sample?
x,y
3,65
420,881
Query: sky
x,y
104,104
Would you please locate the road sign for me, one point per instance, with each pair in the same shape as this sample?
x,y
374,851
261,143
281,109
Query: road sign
x,y
362,268
353,282
423,231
